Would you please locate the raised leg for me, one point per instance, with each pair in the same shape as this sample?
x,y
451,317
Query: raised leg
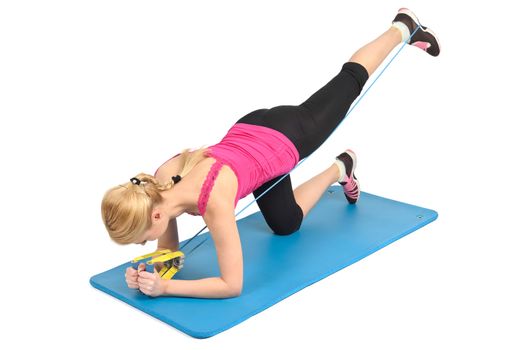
x,y
326,108
372,55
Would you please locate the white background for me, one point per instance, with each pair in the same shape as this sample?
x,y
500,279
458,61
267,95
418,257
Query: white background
x,y
94,92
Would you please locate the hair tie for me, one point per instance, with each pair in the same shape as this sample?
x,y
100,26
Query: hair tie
x,y
135,181
176,179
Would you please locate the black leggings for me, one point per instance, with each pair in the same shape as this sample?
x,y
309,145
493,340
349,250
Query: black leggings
x,y
307,126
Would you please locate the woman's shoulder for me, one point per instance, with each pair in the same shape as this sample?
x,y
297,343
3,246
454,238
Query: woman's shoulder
x,y
219,186
174,164
168,168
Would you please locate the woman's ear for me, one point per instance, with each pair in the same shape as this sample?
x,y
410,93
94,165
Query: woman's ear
x,y
156,214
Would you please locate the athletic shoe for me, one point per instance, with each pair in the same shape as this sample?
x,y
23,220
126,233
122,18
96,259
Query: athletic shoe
x,y
351,186
424,38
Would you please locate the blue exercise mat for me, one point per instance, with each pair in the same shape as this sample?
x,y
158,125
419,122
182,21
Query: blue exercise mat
x,y
333,236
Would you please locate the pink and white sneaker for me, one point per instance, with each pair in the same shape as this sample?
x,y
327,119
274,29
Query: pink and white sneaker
x,y
351,186
423,38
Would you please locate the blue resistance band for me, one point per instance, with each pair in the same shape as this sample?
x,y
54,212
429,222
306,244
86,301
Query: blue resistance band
x,y
297,165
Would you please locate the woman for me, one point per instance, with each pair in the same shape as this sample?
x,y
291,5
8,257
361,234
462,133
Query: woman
x,y
255,153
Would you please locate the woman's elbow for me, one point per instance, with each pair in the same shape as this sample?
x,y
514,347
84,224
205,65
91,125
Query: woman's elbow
x,y
235,289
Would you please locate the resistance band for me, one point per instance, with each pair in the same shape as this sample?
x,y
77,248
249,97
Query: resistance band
x,y
349,111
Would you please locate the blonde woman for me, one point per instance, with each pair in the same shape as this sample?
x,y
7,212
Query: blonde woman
x,y
257,150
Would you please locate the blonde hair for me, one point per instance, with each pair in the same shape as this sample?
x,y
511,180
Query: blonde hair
x,y
127,208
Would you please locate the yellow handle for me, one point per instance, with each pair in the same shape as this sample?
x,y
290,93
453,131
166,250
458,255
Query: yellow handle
x,y
170,273
165,257
146,256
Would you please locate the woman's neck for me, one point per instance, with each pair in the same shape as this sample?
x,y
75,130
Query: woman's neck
x,y
184,196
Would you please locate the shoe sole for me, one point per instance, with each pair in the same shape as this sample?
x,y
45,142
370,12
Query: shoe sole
x,y
410,13
354,161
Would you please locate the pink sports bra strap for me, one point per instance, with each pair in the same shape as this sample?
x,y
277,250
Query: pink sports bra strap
x,y
207,186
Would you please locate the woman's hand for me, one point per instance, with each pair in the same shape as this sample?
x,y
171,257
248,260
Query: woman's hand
x,y
150,283
132,275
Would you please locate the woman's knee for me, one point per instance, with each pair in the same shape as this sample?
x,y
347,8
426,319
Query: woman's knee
x,y
357,72
288,226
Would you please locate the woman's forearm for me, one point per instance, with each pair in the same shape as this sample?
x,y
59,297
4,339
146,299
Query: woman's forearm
x,y
213,287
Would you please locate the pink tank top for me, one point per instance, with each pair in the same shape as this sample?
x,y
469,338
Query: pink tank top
x,y
255,153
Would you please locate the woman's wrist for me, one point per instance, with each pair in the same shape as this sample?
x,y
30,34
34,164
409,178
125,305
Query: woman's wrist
x,y
164,286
